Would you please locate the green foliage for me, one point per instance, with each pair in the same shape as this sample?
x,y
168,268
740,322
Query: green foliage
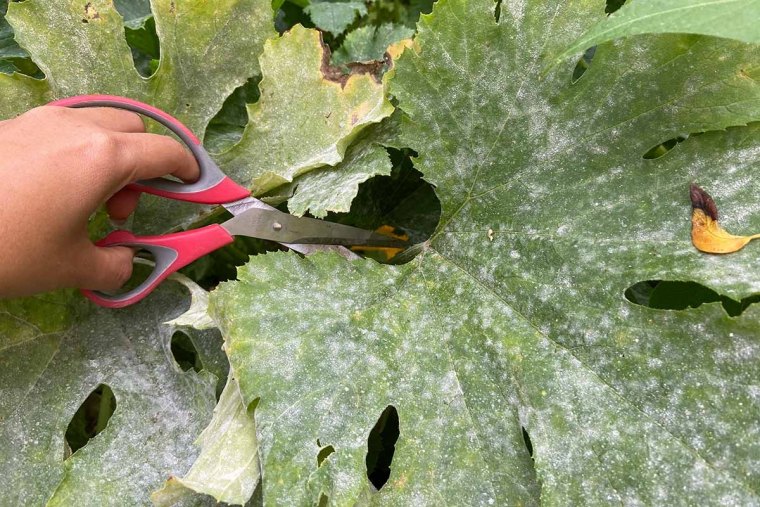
x,y
513,314
555,339
334,16
56,349
369,43
733,19
12,57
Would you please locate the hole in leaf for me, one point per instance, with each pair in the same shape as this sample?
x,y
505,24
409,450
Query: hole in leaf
x,y
140,32
497,12
613,5
185,353
324,501
585,61
90,419
663,148
13,58
526,439
403,201
289,14
381,445
583,64
324,452
226,128
675,295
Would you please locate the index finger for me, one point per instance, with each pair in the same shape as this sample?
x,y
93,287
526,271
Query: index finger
x,y
108,118
144,156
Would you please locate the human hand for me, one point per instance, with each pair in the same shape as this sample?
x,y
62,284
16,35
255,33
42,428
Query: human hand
x,y
57,166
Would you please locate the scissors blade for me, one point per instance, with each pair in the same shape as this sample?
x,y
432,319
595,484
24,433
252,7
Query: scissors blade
x,y
284,228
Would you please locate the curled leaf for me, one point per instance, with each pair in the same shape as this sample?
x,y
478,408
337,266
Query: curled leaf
x,y
706,234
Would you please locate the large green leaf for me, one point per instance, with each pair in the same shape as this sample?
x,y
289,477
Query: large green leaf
x,y
513,318
54,350
733,19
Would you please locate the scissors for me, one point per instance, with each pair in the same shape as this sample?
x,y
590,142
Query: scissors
x,y
252,217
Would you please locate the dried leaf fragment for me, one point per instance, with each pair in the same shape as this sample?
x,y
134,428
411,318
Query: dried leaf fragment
x,y
706,234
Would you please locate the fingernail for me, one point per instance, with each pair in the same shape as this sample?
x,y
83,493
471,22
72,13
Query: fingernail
x,y
118,224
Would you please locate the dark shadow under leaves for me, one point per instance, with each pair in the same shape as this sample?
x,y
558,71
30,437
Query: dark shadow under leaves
x,y
185,353
676,295
90,418
526,439
663,148
381,445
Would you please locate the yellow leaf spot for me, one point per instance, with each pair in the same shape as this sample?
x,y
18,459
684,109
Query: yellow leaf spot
x,y
395,49
90,12
392,54
706,234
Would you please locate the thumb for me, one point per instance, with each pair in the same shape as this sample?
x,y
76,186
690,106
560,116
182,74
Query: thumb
x,y
106,268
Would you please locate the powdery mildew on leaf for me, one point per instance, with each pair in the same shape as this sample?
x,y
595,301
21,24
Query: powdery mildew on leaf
x,y
334,188
207,50
513,316
303,120
55,350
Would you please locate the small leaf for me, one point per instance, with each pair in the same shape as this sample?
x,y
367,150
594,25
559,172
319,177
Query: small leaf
x,y
334,188
335,16
228,466
369,43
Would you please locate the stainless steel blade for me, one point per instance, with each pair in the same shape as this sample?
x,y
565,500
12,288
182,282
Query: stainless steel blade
x,y
247,203
284,228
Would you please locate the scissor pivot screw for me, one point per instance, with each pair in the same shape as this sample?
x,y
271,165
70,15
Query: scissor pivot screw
x,y
277,226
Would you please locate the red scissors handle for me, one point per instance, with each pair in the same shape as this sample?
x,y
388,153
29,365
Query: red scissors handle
x,y
212,187
172,251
